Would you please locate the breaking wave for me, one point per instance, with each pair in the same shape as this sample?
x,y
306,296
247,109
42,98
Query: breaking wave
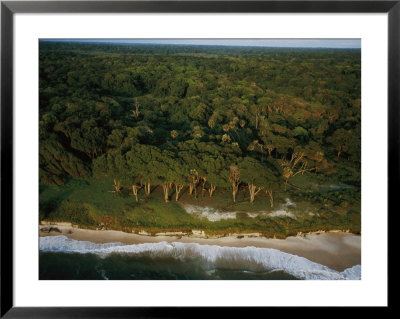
x,y
214,257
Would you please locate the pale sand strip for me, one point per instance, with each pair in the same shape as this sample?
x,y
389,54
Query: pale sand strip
x,y
336,250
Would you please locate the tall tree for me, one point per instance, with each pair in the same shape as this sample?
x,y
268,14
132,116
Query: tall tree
x,y
252,173
234,178
216,171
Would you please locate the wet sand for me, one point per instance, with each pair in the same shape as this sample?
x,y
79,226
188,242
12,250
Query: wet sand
x,y
337,250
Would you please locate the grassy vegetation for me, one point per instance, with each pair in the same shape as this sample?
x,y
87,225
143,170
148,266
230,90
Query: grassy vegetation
x,y
92,204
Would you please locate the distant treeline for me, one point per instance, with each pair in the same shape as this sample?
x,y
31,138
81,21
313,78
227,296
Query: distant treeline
x,y
163,49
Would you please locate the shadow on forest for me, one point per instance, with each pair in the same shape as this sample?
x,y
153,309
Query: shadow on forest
x,y
49,206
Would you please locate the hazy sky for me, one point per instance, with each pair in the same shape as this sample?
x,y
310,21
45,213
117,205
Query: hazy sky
x,y
288,43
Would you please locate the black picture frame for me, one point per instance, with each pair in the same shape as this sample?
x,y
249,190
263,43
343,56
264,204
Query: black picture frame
x,y
9,8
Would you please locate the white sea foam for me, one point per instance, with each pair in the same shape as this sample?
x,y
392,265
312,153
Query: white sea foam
x,y
246,258
254,215
288,203
214,215
211,214
282,212
353,273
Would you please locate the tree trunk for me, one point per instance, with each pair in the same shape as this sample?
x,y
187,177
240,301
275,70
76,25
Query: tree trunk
x,y
117,186
178,188
147,188
271,197
211,190
166,188
135,191
235,188
253,192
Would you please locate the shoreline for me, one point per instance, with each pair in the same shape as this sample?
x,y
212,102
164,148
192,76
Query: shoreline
x,y
336,250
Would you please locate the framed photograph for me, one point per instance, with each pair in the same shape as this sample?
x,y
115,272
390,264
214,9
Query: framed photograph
x,y
160,155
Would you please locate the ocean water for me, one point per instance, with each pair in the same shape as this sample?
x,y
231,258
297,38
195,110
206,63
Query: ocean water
x,y
61,258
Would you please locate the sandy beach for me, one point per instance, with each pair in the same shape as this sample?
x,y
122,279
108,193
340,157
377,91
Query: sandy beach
x,y
337,250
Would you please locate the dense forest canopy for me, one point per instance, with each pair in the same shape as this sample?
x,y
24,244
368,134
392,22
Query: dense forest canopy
x,y
203,116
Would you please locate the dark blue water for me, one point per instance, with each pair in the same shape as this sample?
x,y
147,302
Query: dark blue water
x,y
77,266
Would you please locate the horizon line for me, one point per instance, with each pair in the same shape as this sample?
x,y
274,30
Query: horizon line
x,y
282,43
